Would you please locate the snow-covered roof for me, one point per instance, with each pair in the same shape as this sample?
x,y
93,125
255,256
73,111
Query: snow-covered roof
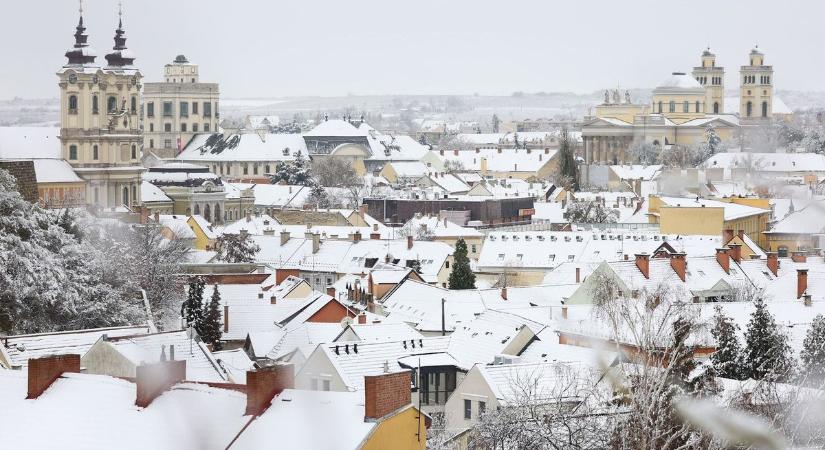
x,y
304,337
409,169
243,147
733,211
55,171
355,360
149,193
235,362
178,225
508,160
491,333
254,225
768,162
335,127
29,142
275,195
147,349
679,81
208,230
440,228
378,332
634,172
81,411
17,350
299,419
808,220
449,183
545,380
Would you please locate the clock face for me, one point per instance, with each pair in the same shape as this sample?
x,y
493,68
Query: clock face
x,y
73,78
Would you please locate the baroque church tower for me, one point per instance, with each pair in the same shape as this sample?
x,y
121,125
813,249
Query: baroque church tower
x,y
712,77
100,132
755,89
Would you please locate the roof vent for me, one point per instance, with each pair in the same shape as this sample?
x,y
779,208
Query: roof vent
x,y
678,73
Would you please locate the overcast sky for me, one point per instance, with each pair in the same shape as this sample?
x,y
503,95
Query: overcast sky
x,y
271,48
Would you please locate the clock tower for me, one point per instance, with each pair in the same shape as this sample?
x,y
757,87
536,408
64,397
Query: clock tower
x,y
100,132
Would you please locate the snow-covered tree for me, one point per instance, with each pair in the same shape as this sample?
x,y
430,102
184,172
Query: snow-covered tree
x,y
590,211
236,248
812,356
318,197
567,172
295,172
644,153
462,276
192,308
767,354
727,359
211,326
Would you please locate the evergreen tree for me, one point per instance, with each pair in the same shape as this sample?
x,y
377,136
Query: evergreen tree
x,y
461,277
210,329
192,309
236,248
568,172
767,353
727,359
318,196
813,353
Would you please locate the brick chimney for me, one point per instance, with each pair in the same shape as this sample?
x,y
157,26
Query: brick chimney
x,y
409,242
263,384
578,275
385,394
331,291
362,319
564,312
273,300
736,252
316,242
801,282
153,379
46,370
678,264
356,237
773,263
799,257
643,263
284,237
374,236
504,293
723,259
727,235
741,234
362,210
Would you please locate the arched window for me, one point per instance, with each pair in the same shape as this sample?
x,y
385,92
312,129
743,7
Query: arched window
x,y
672,106
207,213
134,151
716,107
95,107
133,106
72,104
126,196
749,109
73,152
197,209
95,154
660,107
218,217
764,109
697,107
111,104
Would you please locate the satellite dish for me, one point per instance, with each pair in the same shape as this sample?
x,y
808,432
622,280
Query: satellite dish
x,y
346,321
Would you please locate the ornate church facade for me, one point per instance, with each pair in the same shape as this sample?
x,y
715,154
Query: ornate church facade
x,y
100,134
681,110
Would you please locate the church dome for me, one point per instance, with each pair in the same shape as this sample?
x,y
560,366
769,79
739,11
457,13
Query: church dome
x,y
181,59
679,80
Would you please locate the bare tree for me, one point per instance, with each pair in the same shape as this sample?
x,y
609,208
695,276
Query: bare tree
x,y
335,172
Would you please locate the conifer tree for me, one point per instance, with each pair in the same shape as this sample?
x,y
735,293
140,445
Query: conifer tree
x,y
567,175
192,310
767,353
813,353
462,277
236,248
727,359
210,329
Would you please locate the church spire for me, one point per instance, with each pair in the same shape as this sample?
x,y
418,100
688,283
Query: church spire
x,y
121,56
81,53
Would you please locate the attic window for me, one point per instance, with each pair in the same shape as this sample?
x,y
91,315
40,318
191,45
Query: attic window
x,y
571,258
286,152
701,272
596,254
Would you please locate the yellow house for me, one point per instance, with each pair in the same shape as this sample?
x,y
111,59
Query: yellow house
x,y
698,216
205,236
799,231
